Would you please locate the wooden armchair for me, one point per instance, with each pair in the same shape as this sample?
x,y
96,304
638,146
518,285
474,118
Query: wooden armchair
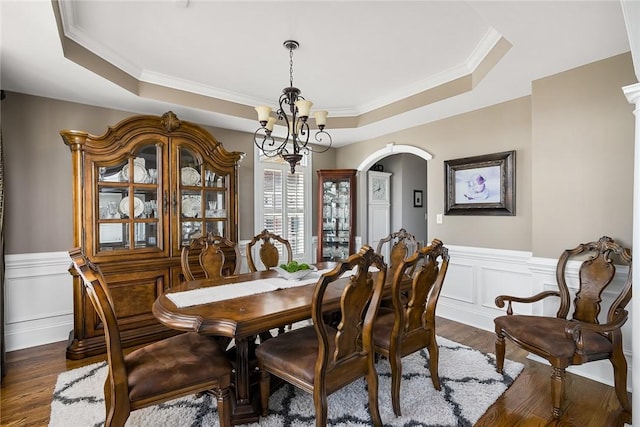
x,y
210,256
411,324
580,339
268,251
401,245
174,367
321,359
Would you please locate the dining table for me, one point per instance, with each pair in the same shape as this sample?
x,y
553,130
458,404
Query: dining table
x,y
243,307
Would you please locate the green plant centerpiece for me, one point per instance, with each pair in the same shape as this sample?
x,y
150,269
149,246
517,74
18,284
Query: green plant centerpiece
x,y
294,266
294,270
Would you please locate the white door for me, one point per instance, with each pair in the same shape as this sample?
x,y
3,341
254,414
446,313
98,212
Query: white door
x,y
379,226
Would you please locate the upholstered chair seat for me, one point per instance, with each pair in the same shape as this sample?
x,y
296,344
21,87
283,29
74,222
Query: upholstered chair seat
x,y
547,336
175,363
304,342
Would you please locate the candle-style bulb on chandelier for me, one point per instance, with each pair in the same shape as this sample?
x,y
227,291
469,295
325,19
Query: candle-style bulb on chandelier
x,y
294,113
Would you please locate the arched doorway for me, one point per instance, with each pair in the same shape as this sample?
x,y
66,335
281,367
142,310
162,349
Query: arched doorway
x,y
389,150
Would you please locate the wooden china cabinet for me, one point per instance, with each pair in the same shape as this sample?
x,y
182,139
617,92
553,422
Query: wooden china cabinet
x,y
141,192
336,213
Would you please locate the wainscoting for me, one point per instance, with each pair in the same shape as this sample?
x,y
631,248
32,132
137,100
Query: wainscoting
x,y
39,297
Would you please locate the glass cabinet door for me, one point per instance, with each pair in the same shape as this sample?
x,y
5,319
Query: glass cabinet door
x,y
203,199
335,223
127,208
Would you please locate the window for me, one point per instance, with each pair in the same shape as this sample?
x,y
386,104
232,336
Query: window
x,y
283,202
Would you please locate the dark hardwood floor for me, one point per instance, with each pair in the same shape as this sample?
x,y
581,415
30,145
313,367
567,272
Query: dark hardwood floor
x,y
31,374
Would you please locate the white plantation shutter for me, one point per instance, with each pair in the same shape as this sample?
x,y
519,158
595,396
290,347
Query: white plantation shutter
x,y
294,214
283,203
273,208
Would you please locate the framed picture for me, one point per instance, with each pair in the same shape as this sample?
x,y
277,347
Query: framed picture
x,y
480,185
417,198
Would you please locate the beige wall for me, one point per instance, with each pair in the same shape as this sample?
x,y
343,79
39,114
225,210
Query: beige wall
x,y
499,128
38,169
583,137
574,164
574,161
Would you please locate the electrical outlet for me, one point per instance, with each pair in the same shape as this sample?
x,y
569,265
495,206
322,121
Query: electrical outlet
x,y
439,219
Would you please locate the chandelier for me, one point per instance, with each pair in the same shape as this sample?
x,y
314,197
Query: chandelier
x,y
294,112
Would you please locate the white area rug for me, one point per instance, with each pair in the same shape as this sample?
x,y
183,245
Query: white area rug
x,y
470,384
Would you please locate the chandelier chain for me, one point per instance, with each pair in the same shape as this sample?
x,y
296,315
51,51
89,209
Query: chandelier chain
x,y
291,66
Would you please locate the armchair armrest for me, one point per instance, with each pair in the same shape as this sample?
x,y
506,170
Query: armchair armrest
x,y
500,299
574,330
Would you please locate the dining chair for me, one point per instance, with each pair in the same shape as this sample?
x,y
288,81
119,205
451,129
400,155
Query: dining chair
x,y
321,359
410,324
401,245
565,341
210,257
268,251
164,370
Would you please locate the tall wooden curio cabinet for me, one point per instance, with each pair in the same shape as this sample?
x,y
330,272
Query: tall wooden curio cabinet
x,y
142,191
336,213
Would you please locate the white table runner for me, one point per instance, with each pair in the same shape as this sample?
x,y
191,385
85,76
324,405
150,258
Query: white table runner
x,y
242,289
235,290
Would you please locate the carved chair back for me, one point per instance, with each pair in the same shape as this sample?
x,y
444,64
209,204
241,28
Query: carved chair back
x,y
595,274
209,257
268,252
401,245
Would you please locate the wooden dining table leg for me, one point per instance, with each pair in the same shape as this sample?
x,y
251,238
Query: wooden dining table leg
x,y
246,406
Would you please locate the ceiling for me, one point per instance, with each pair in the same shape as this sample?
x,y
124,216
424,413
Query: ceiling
x,y
376,66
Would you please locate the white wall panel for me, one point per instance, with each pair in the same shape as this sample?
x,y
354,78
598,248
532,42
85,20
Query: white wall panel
x,y
38,299
457,283
501,281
